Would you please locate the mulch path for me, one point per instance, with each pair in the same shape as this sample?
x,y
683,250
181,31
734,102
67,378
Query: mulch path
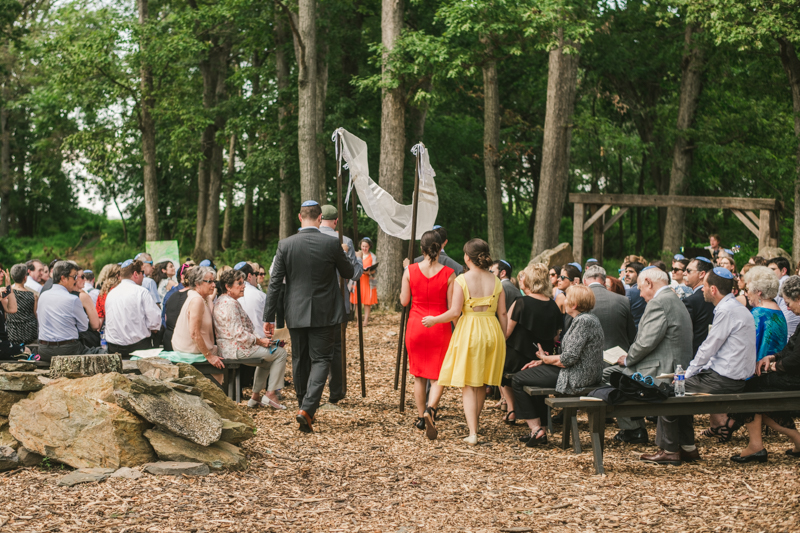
x,y
367,469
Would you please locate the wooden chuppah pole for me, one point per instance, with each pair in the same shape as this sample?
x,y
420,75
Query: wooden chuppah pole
x,y
404,319
342,282
354,199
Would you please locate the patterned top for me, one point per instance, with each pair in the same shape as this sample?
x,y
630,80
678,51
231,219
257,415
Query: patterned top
x,y
771,331
582,355
22,325
235,337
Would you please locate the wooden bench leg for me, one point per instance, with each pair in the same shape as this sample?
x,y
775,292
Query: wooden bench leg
x,y
576,436
549,420
567,427
238,385
229,382
597,423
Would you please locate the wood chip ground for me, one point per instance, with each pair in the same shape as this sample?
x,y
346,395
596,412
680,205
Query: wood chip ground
x,y
367,469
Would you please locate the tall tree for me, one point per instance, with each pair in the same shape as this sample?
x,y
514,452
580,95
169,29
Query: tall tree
x,y
147,126
691,85
393,135
282,74
491,158
554,177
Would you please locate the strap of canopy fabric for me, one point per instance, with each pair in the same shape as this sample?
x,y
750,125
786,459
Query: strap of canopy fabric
x,y
394,218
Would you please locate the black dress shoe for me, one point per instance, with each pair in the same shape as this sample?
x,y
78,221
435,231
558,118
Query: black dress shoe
x,y
758,457
792,453
558,419
632,436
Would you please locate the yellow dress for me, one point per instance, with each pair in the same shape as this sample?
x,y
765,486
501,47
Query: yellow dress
x,y
477,348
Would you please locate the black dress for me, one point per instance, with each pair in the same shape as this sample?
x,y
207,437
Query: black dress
x,y
538,322
7,347
172,311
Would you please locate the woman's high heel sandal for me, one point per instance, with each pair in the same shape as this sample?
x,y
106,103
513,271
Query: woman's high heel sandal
x,y
539,436
420,424
430,425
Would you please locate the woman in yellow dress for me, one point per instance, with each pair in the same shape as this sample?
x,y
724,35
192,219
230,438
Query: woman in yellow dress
x,y
477,348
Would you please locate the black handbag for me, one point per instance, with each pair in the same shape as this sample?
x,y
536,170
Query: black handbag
x,y
639,390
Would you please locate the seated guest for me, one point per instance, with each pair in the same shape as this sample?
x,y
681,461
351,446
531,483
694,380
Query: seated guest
x,y
237,339
700,310
632,292
23,327
613,310
46,279
131,314
742,284
8,308
533,319
781,266
35,271
194,329
678,284
163,273
88,286
722,365
553,275
62,317
662,343
762,288
91,337
776,372
148,282
109,282
252,299
757,260
569,276
171,306
579,365
179,287
615,285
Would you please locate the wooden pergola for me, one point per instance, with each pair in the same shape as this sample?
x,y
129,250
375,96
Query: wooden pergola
x,y
764,225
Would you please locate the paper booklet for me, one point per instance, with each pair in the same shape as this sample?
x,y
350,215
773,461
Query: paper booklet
x,y
612,355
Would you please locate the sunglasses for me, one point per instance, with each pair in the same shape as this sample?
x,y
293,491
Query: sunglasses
x,y
678,270
209,281
262,273
562,278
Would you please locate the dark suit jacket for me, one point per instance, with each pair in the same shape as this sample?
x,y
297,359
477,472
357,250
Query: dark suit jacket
x,y
309,260
702,314
637,304
614,312
446,260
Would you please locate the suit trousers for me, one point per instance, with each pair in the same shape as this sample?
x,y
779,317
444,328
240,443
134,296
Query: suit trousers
x,y
46,353
336,378
312,353
676,431
125,350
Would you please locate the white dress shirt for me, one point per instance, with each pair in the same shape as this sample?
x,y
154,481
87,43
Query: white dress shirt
x,y
792,320
61,315
152,288
730,348
131,314
253,303
33,285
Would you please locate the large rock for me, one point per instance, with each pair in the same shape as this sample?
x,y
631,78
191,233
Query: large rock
x,y
85,365
8,458
85,475
182,414
20,381
224,406
22,366
76,422
236,432
157,368
173,468
218,456
7,399
770,252
555,257
6,438
28,458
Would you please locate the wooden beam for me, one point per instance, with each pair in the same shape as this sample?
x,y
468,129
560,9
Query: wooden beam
x,y
700,202
577,233
746,221
613,220
595,217
752,216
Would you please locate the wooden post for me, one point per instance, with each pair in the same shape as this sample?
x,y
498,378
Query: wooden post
x,y
773,228
765,216
342,282
354,199
577,234
414,204
597,227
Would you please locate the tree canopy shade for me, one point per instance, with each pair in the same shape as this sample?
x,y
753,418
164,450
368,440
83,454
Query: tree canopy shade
x,y
207,121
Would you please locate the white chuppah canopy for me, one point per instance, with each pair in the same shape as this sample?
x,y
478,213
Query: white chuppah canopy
x,y
393,218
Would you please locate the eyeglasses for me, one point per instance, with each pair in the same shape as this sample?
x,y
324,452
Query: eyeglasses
x,y
678,270
209,281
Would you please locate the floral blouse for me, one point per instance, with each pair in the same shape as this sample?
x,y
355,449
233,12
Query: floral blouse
x,y
235,337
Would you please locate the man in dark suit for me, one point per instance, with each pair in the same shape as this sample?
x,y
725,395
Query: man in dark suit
x,y
309,261
637,302
700,311
444,259
612,309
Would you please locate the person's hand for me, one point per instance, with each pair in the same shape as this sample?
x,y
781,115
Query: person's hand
x,y
345,247
215,361
763,365
531,365
541,354
269,329
359,254
406,262
621,360
429,321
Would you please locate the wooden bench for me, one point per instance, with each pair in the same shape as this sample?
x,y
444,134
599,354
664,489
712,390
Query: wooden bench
x,y
751,402
570,428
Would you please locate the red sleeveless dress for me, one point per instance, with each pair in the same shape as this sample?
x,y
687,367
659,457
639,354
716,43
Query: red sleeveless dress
x,y
427,346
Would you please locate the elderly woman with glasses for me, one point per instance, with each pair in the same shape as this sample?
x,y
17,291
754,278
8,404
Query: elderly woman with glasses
x,y
237,340
194,329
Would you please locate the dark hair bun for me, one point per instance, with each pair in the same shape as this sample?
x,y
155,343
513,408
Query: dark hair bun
x,y
431,244
478,252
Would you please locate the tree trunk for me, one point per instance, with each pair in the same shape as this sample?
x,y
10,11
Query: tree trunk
x,y
322,93
148,129
491,160
691,85
226,225
791,65
5,168
287,223
282,74
393,133
204,167
306,53
554,181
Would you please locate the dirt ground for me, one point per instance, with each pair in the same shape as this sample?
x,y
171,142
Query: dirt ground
x,y
368,469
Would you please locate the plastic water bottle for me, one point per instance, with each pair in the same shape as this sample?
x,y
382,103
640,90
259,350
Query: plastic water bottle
x,y
103,343
680,382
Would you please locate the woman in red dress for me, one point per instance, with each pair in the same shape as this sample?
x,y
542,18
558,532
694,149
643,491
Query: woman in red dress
x,y
429,287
